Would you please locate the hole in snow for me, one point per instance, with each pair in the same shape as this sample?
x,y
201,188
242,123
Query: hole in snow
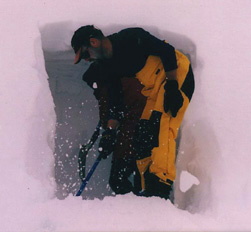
x,y
77,117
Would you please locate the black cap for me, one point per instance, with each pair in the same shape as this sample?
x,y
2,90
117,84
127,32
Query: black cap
x,y
82,36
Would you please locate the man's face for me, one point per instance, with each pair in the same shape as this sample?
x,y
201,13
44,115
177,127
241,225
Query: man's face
x,y
96,53
93,52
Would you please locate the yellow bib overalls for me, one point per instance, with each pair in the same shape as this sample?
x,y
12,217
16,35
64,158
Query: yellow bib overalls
x,y
162,159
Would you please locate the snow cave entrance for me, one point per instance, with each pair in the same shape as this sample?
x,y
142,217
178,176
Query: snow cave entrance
x,y
77,116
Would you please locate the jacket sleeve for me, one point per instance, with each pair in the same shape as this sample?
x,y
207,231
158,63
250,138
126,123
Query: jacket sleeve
x,y
91,77
99,91
108,93
115,100
154,46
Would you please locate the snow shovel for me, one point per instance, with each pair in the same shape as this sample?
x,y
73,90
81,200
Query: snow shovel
x,y
84,151
91,171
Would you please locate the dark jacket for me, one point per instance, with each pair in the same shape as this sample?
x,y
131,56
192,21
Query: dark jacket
x,y
131,48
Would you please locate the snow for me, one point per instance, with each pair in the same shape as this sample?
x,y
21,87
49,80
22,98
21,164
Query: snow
x,y
47,112
187,181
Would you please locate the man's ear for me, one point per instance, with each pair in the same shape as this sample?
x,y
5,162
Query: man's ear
x,y
95,42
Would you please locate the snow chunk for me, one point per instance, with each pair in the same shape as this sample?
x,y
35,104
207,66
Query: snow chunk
x,y
187,181
95,86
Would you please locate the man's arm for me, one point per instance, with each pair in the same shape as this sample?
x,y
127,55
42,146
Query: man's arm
x,y
108,140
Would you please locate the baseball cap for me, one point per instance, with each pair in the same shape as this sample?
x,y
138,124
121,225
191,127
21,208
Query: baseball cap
x,y
82,37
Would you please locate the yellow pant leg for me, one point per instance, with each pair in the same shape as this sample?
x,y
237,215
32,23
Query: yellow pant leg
x,y
152,76
163,157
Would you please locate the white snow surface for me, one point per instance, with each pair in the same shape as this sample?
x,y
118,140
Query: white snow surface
x,y
47,111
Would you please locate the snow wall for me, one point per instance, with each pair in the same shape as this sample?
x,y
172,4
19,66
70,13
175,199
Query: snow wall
x,y
214,144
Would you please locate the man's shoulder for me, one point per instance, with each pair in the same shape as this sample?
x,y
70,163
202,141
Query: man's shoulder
x,y
131,29
128,32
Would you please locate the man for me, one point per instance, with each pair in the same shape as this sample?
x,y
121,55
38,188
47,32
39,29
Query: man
x,y
123,160
168,85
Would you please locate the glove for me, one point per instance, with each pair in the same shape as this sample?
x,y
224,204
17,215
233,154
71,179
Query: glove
x,y
173,99
107,142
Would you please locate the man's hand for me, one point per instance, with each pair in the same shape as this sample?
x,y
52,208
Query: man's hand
x,y
173,99
107,142
113,124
